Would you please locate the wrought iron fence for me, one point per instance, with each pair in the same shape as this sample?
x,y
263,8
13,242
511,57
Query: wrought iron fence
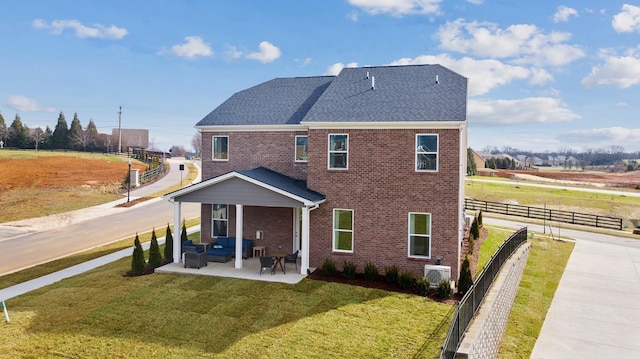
x,y
582,219
471,301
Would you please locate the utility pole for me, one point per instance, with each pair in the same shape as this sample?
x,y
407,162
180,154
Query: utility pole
x,y
120,130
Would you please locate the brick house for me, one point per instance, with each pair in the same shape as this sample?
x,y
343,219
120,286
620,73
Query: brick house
x,y
365,166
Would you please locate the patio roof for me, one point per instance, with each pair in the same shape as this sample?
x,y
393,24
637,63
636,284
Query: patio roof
x,y
257,187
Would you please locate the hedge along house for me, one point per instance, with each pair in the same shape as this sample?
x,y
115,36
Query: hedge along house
x,y
365,166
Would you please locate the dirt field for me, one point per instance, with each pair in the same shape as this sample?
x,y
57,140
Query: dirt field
x,y
598,179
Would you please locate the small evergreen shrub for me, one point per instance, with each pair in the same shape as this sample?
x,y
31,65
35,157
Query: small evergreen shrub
x,y
183,235
328,268
391,274
405,279
370,271
422,286
349,270
471,244
138,265
168,245
155,258
475,229
465,281
444,289
480,219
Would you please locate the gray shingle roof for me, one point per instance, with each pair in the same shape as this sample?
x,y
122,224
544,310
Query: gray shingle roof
x,y
276,102
285,183
402,93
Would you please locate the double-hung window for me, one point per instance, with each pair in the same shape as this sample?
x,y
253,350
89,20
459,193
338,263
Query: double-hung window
x,y
301,148
220,148
426,152
343,230
419,235
219,220
338,151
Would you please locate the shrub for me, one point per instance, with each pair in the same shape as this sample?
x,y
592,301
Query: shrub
x,y
475,229
422,286
183,235
471,244
370,271
405,279
465,281
138,264
349,270
328,268
155,258
168,245
480,219
444,289
391,274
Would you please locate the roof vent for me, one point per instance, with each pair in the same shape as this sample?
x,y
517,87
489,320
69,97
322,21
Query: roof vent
x,y
367,74
437,80
373,82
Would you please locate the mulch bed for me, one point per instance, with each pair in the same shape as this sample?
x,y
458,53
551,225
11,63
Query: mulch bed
x,y
134,202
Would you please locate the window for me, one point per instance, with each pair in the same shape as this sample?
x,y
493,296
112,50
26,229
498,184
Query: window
x,y
343,230
301,148
338,151
220,148
219,220
427,153
420,235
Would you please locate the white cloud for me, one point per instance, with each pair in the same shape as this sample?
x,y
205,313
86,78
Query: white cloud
x,y
398,7
335,69
232,52
623,104
627,20
25,104
476,2
267,53
563,14
353,16
597,137
620,71
521,111
521,43
484,75
193,46
82,31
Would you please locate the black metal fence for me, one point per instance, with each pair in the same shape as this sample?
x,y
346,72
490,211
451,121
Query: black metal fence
x,y
582,219
471,301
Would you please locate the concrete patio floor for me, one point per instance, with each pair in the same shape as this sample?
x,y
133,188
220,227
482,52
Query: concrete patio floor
x,y
250,270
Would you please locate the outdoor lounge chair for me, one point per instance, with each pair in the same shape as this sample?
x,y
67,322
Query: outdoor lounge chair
x,y
267,262
193,259
291,258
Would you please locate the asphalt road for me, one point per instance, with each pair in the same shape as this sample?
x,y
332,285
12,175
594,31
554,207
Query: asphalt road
x,y
85,229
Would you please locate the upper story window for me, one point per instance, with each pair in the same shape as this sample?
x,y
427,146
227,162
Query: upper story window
x,y
343,230
427,153
301,148
220,148
338,151
219,220
420,235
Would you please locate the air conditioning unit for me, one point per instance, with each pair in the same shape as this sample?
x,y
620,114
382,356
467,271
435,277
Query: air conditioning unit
x,y
436,273
468,220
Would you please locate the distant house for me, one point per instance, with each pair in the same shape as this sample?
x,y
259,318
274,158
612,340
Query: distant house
x,y
131,138
480,161
365,166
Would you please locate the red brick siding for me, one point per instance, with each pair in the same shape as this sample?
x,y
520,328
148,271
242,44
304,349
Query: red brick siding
x,y
381,186
248,150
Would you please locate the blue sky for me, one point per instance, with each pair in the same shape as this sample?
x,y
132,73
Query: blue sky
x,y
543,75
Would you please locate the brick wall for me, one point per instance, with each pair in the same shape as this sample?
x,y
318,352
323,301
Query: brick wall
x,y
382,187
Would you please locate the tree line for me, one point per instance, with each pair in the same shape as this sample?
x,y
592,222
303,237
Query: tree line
x,y
74,137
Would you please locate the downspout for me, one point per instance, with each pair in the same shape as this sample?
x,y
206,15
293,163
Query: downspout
x,y
306,213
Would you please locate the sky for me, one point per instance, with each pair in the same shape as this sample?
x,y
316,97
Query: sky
x,y
543,75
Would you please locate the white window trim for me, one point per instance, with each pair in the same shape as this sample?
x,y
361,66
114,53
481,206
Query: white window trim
x,y
295,149
329,152
409,234
219,219
437,153
213,149
333,231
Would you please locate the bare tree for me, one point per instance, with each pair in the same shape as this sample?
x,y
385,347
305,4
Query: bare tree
x,y
37,136
196,143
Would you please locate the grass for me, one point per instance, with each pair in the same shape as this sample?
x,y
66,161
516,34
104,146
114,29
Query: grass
x,y
25,154
490,245
539,282
103,314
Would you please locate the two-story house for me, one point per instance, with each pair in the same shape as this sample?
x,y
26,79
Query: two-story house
x,y
365,166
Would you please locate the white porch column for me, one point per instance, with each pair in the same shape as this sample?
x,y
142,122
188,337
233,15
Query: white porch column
x,y
304,259
239,235
177,245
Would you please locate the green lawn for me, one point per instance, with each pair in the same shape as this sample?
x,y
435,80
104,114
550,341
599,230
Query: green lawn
x,y
490,245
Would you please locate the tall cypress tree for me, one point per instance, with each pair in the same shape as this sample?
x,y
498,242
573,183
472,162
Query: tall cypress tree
x,y
138,264
155,258
168,245
76,134
3,130
60,133
465,281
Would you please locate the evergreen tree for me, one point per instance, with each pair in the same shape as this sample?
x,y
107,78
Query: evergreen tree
x,y
155,259
183,235
18,134
91,135
47,138
465,281
480,219
168,245
138,265
472,168
76,134
475,229
60,133
3,130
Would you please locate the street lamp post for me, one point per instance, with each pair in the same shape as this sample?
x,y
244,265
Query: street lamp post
x,y
129,183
